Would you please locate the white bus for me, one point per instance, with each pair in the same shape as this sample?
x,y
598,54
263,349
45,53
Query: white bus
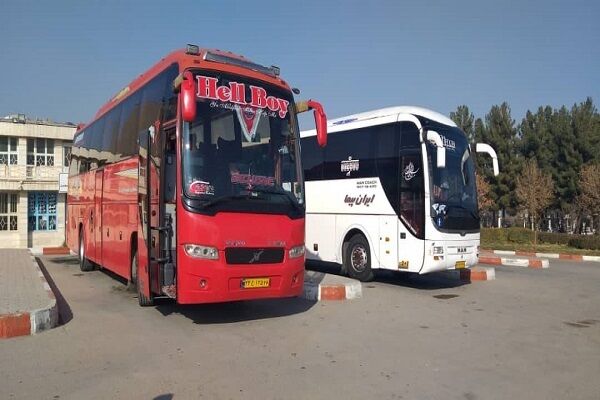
x,y
394,189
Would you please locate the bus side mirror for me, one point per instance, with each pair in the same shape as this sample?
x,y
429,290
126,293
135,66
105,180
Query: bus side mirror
x,y
436,139
320,118
486,148
188,97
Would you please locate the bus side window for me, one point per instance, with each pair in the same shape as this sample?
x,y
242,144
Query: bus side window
x,y
170,179
312,158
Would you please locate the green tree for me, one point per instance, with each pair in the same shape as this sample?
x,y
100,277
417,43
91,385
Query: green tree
x,y
537,141
567,160
464,119
586,128
501,133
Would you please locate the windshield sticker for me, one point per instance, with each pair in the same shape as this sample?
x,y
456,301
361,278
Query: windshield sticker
x,y
349,165
410,172
250,180
360,200
249,118
201,187
235,93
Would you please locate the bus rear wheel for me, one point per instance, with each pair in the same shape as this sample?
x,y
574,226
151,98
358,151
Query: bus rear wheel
x,y
357,260
143,300
84,264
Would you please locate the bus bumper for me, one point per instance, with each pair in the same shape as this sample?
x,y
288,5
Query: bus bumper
x,y
457,254
206,281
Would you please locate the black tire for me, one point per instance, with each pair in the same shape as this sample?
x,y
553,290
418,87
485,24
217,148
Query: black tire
x,y
142,299
84,264
357,260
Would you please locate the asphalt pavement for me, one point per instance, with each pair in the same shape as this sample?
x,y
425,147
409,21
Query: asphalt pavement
x,y
531,333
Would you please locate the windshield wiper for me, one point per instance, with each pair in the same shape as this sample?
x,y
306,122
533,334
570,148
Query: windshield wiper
x,y
226,199
284,193
471,212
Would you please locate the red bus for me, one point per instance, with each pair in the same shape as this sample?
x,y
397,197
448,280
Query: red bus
x,y
189,184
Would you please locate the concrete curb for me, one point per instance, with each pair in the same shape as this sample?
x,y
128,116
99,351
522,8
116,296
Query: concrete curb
x,y
478,273
32,321
515,262
53,251
316,289
473,274
561,256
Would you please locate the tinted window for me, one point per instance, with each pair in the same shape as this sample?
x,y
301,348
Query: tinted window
x,y
388,141
128,134
410,135
152,98
359,153
312,159
111,131
351,154
412,196
114,136
170,97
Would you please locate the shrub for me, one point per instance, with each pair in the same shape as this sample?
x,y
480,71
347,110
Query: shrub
x,y
554,238
520,235
585,242
493,235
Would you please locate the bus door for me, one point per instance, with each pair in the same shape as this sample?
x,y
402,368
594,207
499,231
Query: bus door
x,y
409,182
411,227
155,241
97,217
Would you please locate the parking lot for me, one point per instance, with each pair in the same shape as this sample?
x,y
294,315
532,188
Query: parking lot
x,y
531,333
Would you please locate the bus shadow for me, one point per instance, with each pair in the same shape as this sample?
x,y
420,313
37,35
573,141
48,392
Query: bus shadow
x,y
432,281
65,260
237,311
65,314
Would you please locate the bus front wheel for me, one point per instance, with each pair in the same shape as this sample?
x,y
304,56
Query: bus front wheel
x,y
143,300
357,260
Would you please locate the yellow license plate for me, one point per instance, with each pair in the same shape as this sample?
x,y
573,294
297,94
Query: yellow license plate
x,y
253,283
460,264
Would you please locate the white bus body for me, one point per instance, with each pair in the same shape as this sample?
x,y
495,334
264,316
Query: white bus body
x,y
394,189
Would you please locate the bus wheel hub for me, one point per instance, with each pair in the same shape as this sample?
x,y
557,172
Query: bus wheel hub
x,y
359,258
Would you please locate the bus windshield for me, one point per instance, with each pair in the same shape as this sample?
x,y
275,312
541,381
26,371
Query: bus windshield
x,y
235,152
453,191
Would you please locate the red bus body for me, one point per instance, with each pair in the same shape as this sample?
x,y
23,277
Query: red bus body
x,y
103,208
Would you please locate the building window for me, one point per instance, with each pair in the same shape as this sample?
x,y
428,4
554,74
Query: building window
x,y
40,152
8,211
42,211
66,156
8,150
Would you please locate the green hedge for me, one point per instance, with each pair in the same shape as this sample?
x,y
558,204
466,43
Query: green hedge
x,y
585,242
525,236
554,238
510,235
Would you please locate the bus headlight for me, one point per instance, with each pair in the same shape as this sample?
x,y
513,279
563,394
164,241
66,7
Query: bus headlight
x,y
198,251
296,252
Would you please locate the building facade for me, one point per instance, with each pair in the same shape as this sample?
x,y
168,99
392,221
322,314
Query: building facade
x,y
34,161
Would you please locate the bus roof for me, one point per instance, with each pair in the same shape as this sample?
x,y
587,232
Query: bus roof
x,y
198,60
377,117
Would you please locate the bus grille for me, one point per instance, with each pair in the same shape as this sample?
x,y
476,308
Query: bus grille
x,y
254,255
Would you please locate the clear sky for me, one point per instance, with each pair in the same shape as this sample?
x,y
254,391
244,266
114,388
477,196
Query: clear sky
x,y
63,59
